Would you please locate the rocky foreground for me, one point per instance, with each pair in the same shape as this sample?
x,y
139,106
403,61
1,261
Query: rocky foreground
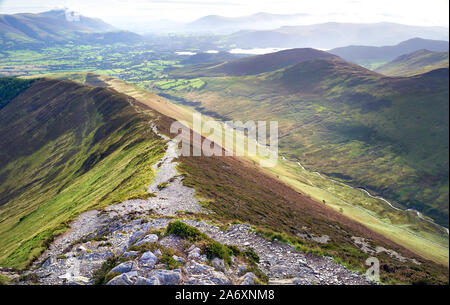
x,y
128,244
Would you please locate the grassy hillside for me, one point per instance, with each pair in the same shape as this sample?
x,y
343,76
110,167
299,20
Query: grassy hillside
x,y
32,28
93,24
66,148
25,31
388,135
418,62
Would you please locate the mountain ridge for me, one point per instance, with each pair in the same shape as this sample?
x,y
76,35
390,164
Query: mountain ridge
x,y
229,24
333,34
27,30
359,54
414,63
60,141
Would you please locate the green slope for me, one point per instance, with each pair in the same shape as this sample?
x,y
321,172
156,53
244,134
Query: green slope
x,y
388,135
66,148
37,31
418,62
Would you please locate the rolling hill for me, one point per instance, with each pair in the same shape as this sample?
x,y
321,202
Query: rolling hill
x,y
386,134
371,54
418,62
333,35
35,30
255,64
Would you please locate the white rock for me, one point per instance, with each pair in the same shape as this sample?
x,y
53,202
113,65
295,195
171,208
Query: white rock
x,y
151,238
123,267
218,263
148,260
147,281
120,280
248,279
219,278
168,277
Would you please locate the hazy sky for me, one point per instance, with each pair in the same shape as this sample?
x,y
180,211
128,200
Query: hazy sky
x,y
418,12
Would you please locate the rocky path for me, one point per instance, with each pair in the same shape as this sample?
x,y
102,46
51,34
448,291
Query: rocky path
x,y
96,236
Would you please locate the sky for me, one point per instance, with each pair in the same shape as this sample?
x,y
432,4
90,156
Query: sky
x,y
414,12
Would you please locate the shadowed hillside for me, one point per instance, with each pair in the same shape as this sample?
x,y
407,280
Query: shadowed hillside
x,y
418,62
66,148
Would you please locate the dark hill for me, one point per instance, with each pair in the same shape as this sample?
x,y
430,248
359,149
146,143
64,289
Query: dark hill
x,y
66,148
418,62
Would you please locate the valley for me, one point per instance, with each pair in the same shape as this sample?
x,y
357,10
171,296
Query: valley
x,y
303,225
329,130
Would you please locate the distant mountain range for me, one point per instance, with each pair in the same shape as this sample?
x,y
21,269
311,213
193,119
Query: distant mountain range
x,y
28,30
418,62
361,54
332,35
258,21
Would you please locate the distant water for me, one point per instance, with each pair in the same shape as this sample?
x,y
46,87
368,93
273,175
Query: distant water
x,y
256,51
185,53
